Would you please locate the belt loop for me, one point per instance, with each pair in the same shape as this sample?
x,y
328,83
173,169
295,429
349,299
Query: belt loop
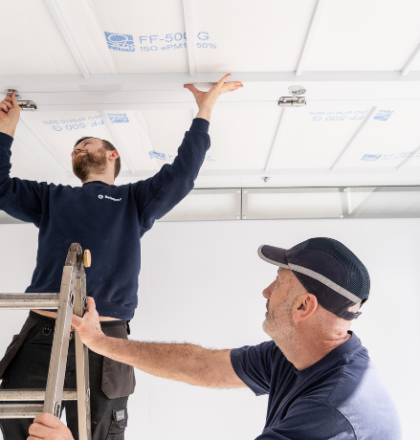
x,y
127,327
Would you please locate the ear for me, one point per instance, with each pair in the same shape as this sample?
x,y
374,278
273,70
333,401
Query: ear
x,y
305,307
114,155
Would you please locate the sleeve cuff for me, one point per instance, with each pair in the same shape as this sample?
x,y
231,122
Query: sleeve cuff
x,y
236,360
200,124
5,140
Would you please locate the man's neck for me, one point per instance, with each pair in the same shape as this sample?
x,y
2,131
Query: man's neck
x,y
100,178
307,352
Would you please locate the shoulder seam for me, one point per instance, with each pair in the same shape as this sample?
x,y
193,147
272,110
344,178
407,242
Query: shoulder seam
x,y
336,409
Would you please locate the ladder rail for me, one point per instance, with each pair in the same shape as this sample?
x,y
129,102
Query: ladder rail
x,y
82,367
21,301
23,411
60,346
34,394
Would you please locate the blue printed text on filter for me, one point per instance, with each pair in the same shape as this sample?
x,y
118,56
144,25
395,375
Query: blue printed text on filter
x,y
169,38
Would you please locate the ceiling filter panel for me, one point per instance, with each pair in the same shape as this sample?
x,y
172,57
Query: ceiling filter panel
x,y
392,135
241,138
360,35
314,138
59,132
144,36
32,44
250,36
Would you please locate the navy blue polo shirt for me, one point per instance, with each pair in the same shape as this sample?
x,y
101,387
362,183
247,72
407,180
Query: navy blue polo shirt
x,y
340,397
107,219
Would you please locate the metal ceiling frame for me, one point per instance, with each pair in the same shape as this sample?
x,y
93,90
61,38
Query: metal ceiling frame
x,y
241,203
166,91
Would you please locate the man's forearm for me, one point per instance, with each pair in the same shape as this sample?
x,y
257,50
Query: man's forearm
x,y
182,362
8,130
205,113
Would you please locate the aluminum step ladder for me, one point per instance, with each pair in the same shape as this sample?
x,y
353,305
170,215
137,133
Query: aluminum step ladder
x,y
71,299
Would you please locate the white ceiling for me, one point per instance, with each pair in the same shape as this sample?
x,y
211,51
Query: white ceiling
x,y
116,69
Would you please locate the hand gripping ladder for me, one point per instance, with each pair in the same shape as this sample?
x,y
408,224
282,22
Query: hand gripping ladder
x,y
72,296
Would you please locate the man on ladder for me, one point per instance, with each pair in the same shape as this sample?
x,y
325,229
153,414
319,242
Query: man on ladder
x,y
109,220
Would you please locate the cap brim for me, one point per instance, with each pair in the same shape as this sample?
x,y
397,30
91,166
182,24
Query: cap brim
x,y
273,255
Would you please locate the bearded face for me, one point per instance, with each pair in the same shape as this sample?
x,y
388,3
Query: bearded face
x,y
281,296
86,163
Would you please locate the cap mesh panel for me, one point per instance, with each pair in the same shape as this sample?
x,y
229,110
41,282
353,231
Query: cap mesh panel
x,y
357,274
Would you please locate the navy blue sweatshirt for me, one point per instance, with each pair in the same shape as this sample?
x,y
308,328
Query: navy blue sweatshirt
x,y
107,219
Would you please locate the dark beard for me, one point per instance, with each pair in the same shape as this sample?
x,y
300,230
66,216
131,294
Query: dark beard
x,y
89,163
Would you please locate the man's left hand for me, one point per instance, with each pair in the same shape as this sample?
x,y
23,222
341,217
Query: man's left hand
x,y
206,100
48,427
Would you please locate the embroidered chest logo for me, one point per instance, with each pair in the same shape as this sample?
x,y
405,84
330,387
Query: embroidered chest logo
x,y
100,196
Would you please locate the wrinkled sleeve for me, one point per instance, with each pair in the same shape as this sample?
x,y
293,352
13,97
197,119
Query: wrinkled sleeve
x,y
310,420
22,199
253,365
156,196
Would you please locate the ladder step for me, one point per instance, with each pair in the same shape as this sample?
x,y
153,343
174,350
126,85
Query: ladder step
x,y
26,411
26,395
19,301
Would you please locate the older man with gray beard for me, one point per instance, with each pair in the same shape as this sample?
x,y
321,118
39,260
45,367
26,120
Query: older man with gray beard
x,y
320,380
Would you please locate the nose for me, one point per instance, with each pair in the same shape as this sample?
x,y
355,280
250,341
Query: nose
x,y
76,150
267,291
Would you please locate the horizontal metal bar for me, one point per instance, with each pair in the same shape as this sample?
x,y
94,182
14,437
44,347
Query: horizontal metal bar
x,y
26,411
25,395
19,301
356,173
20,82
124,103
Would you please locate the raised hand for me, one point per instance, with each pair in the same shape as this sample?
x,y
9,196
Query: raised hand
x,y
206,100
9,114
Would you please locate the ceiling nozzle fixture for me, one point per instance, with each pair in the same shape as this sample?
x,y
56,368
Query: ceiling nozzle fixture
x,y
24,104
297,100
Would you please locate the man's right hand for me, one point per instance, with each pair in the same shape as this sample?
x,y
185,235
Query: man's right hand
x,y
89,327
48,427
9,114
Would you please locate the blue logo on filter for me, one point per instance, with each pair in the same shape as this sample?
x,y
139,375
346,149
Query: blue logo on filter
x,y
156,155
118,118
120,42
371,157
383,115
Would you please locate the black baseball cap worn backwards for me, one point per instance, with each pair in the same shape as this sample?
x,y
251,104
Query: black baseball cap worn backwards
x,y
327,269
